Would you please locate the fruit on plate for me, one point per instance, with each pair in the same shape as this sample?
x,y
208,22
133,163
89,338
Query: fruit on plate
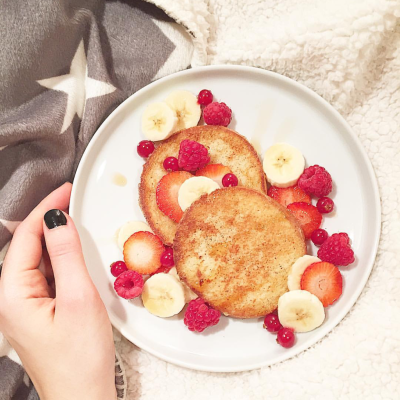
x,y
189,294
297,270
217,114
167,194
215,172
163,295
205,97
128,229
142,252
286,196
337,250
325,205
159,121
272,323
200,316
224,146
286,338
192,155
129,285
319,236
230,180
283,164
308,216
316,181
185,107
145,148
324,280
193,188
167,257
221,243
300,310
117,268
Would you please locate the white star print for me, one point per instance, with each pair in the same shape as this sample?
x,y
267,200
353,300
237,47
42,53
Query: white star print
x,y
78,86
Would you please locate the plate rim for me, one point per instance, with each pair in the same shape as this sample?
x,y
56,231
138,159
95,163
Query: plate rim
x,y
294,351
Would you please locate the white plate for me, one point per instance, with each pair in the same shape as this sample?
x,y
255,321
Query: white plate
x,y
271,108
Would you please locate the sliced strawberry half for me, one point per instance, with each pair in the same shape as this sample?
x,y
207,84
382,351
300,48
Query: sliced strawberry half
x,y
215,172
162,270
142,252
286,196
324,280
308,216
167,194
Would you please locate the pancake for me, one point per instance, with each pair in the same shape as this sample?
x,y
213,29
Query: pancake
x,y
225,147
235,247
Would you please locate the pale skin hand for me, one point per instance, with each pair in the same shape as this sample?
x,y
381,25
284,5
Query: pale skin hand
x,y
65,343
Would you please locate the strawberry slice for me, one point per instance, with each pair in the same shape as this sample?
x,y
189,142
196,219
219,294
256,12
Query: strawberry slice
x,y
167,194
324,280
162,270
215,172
286,196
142,252
307,215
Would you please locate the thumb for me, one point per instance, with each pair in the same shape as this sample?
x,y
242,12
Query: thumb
x,y
64,248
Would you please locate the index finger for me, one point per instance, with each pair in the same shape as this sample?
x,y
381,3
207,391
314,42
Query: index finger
x,y
25,249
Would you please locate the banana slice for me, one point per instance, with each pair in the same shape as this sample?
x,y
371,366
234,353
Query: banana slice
x,y
283,164
128,230
186,108
189,294
193,188
163,295
300,310
297,270
159,121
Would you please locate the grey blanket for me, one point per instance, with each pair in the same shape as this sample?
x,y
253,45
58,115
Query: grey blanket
x,y
64,66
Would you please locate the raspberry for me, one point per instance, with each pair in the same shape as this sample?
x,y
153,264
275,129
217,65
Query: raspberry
x,y
205,97
336,250
217,114
129,284
315,181
192,155
199,315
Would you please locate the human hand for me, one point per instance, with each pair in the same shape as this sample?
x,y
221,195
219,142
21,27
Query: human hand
x,y
65,342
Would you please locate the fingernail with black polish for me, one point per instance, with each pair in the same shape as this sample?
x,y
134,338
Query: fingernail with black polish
x,y
54,218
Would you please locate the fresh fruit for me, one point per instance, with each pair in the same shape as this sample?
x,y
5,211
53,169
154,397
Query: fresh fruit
x,y
319,236
324,280
215,172
163,295
193,188
145,148
205,97
286,196
307,215
283,164
142,252
271,323
128,230
189,294
167,257
286,338
192,155
296,272
217,114
167,194
316,181
337,250
171,164
325,205
158,121
199,315
129,285
162,270
117,268
300,310
230,180
185,107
